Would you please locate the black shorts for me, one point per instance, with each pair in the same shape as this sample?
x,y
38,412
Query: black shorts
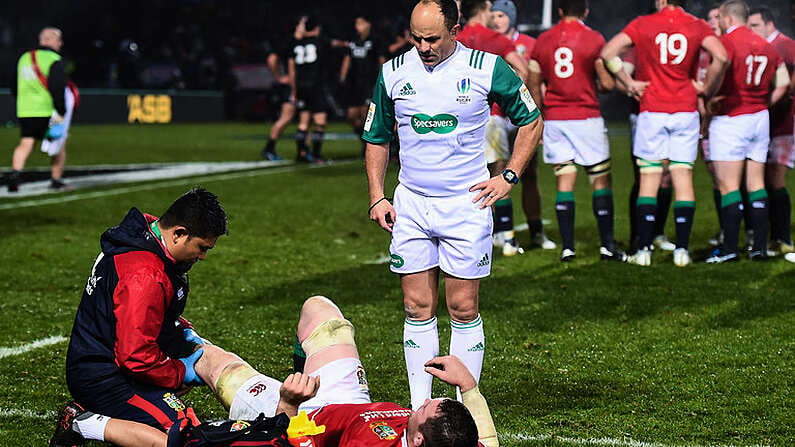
x,y
358,95
281,93
311,98
35,127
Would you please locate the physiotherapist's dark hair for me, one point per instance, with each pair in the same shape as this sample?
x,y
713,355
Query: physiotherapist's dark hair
x,y
199,211
574,8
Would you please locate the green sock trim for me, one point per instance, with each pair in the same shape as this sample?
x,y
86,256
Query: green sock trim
x,y
504,202
730,198
646,201
564,196
297,349
758,194
781,192
603,192
685,204
419,323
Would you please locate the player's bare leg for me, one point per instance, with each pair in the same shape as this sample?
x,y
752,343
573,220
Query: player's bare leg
x,y
566,177
420,330
286,115
57,163
780,207
467,338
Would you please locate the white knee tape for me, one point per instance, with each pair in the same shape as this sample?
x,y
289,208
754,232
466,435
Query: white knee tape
x,y
336,331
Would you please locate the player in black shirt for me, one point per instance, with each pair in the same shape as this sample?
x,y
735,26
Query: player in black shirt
x,y
306,68
359,72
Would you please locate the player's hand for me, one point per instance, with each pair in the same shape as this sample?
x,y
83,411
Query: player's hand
x,y
713,105
191,378
298,388
698,86
383,213
637,88
452,371
491,191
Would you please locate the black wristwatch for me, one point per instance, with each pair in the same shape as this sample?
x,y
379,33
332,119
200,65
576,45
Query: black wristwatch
x,y
510,176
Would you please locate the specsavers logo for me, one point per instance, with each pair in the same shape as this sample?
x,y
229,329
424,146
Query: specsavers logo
x,y
442,123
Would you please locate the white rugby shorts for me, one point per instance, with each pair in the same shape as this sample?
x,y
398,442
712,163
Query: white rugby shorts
x,y
500,135
451,233
735,138
342,381
782,149
584,141
667,136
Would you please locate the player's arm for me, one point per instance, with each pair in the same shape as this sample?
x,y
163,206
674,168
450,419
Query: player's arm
x,y
610,56
781,83
345,67
717,66
519,65
378,132
291,75
535,82
273,66
517,103
451,370
605,81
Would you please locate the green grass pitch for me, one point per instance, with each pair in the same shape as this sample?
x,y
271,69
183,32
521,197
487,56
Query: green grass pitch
x,y
588,353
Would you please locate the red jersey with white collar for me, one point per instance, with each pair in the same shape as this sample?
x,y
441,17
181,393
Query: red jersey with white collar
x,y
783,112
748,80
524,46
567,54
668,45
378,424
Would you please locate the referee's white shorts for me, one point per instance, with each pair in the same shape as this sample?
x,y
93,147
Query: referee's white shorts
x,y
449,232
667,136
736,138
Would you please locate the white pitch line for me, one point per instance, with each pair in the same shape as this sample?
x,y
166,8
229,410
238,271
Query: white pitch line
x,y
14,412
7,352
609,442
146,187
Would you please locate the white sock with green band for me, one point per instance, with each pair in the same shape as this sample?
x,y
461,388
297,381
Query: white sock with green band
x,y
420,344
468,342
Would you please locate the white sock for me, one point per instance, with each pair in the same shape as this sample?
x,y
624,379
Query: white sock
x,y
420,344
468,342
92,427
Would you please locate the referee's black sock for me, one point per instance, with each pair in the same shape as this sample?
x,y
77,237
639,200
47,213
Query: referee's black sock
x,y
564,208
647,211
780,214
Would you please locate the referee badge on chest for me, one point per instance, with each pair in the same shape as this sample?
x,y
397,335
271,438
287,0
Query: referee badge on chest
x,y
464,86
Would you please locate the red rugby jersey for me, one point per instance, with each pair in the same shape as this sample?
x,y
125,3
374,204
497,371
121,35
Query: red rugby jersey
x,y
478,37
667,45
783,113
567,54
747,83
524,46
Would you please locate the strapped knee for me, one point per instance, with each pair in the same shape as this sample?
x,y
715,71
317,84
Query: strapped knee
x,y
231,379
336,331
564,168
680,165
649,166
598,170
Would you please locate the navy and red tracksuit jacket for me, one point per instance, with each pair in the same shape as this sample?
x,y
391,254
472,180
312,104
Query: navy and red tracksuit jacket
x,y
128,329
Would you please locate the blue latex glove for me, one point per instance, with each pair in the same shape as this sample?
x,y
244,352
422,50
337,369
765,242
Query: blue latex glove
x,y
191,378
192,336
55,131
